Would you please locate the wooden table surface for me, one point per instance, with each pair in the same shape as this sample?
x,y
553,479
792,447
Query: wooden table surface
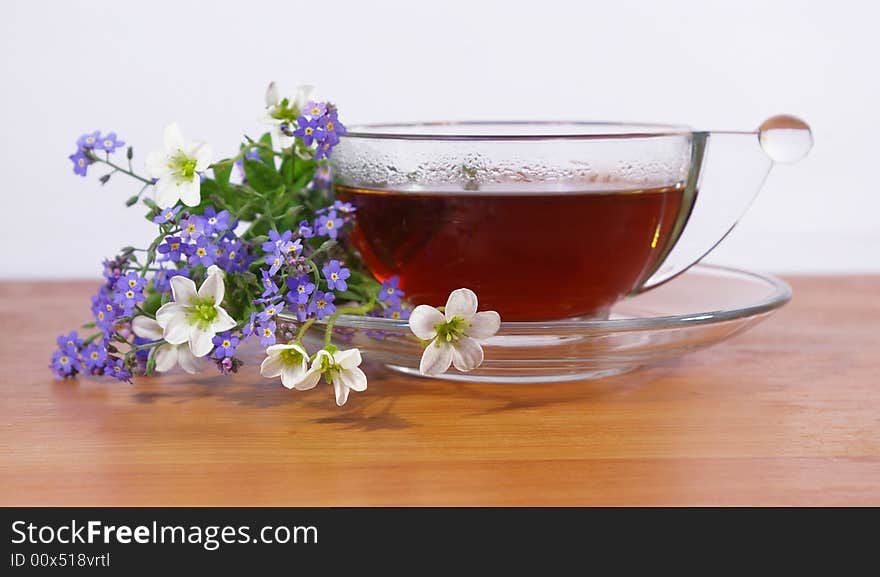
x,y
786,414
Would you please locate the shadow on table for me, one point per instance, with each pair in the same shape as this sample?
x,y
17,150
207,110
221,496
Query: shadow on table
x,y
376,409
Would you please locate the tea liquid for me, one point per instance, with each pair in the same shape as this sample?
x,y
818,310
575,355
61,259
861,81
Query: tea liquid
x,y
527,256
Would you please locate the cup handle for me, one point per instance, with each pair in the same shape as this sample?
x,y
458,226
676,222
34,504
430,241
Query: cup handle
x,y
727,170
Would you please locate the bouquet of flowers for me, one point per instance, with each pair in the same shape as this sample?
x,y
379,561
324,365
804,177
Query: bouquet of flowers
x,y
239,241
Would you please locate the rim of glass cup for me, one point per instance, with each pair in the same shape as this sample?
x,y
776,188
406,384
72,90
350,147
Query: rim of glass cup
x,y
780,293
600,130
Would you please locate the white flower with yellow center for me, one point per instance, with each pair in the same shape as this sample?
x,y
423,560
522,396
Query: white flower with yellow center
x,y
291,363
340,368
166,354
177,168
282,113
453,333
195,317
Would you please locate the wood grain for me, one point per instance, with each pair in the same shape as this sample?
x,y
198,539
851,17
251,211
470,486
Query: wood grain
x,y
786,414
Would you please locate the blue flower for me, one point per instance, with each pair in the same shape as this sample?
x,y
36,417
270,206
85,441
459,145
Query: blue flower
x,y
277,243
294,248
64,364
300,292
305,231
167,215
331,127
88,140
249,327
224,345
302,312
267,333
396,311
343,207
70,342
269,286
308,130
235,256
112,270
274,260
328,224
116,368
315,109
94,356
203,252
324,149
322,177
108,142
214,221
104,311
390,292
336,274
173,248
192,227
270,312
129,291
322,304
80,162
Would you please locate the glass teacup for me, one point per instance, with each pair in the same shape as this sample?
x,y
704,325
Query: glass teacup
x,y
549,220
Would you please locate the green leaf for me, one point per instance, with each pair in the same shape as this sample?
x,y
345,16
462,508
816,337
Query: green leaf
x,y
288,166
151,362
266,154
153,302
305,167
209,187
222,172
261,177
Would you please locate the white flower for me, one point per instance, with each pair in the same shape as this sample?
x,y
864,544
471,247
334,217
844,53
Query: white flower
x,y
166,354
453,333
285,111
291,362
340,368
177,168
195,317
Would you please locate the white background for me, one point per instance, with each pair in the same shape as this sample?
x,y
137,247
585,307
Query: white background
x,y
75,66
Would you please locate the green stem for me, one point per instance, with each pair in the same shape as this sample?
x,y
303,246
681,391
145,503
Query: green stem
x,y
363,309
302,330
253,144
121,169
92,338
136,348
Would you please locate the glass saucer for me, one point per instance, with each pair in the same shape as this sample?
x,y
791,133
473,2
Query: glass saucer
x,y
699,308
